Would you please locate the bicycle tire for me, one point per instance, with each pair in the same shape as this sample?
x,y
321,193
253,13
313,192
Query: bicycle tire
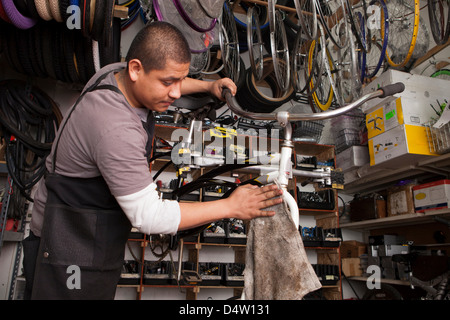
x,y
17,19
55,10
43,9
198,41
442,74
357,27
253,98
185,15
439,28
322,96
384,32
263,17
399,14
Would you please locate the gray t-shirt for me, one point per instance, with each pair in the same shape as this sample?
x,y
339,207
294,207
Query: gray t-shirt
x,y
104,136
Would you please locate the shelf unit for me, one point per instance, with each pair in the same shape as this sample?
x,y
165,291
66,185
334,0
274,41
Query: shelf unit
x,y
323,218
326,219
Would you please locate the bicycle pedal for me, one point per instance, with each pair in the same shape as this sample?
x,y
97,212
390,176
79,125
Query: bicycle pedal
x,y
337,179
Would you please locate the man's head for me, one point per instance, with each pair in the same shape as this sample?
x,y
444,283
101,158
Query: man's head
x,y
156,43
157,63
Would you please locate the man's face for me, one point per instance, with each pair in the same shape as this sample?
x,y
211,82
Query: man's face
x,y
158,89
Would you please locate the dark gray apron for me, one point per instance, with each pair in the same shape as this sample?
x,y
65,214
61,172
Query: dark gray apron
x,y
84,230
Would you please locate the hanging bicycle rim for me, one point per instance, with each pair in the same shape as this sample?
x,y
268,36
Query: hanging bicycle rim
x,y
229,43
279,47
403,27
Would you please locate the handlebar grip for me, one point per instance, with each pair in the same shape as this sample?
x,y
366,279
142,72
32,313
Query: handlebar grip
x,y
225,90
392,89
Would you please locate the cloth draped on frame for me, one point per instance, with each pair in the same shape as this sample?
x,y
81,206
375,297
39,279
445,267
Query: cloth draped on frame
x,y
277,267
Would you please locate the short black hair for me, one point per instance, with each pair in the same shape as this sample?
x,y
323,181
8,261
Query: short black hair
x,y
157,42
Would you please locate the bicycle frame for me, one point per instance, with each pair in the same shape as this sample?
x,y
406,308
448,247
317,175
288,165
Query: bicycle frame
x,y
283,172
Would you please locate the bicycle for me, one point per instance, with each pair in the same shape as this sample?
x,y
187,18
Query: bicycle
x,y
278,171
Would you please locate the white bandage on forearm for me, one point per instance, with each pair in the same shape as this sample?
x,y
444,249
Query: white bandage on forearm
x,y
149,213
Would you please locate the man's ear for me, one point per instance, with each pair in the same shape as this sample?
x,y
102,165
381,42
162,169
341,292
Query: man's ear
x,y
134,69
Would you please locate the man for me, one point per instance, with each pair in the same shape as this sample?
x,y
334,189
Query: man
x,y
98,183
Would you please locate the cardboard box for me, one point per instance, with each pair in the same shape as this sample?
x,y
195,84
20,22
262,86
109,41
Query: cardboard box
x,y
352,249
432,196
400,146
402,110
420,90
400,200
353,157
351,267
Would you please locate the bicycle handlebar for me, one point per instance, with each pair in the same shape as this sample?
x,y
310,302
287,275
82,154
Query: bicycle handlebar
x,y
383,92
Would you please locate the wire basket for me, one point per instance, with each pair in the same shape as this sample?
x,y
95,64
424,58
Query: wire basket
x,y
438,138
312,129
347,138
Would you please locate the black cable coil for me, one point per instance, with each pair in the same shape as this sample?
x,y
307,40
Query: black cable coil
x,y
29,119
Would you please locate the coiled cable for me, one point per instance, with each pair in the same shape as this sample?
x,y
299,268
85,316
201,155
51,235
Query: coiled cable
x,y
29,119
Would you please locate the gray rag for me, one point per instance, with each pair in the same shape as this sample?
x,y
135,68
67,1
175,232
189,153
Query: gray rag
x,y
276,265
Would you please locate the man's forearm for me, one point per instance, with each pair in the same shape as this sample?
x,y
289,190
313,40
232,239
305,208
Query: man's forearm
x,y
194,214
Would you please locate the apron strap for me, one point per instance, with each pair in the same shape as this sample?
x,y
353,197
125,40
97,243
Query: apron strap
x,y
93,87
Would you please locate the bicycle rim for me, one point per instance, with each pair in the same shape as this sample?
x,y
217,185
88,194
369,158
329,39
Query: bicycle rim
x,y
329,17
440,26
359,29
255,44
400,19
279,47
229,43
323,93
301,75
349,73
307,13
442,74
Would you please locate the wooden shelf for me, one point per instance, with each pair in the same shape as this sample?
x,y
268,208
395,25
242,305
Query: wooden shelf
x,y
400,220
